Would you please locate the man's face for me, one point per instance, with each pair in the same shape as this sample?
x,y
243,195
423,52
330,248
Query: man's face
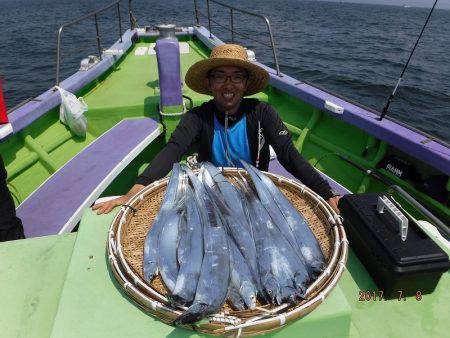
x,y
228,85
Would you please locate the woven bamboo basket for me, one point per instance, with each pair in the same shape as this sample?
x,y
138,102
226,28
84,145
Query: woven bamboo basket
x,y
125,252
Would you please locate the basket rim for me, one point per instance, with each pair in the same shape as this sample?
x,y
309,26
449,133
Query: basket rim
x,y
274,318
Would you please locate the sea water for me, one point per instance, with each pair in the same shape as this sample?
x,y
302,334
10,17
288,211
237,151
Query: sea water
x,y
355,50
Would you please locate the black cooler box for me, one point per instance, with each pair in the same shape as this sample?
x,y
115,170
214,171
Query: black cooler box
x,y
410,266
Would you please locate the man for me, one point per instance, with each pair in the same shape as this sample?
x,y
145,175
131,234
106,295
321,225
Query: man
x,y
229,128
10,226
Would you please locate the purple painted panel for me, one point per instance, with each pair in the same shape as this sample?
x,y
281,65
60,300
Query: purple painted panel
x,y
276,168
401,137
51,206
28,113
168,55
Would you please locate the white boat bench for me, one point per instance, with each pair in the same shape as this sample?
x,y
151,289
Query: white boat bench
x,y
57,205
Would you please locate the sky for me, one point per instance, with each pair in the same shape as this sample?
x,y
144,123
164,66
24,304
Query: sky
x,y
413,3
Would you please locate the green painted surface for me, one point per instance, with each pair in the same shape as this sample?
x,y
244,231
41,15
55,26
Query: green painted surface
x,y
32,274
407,318
101,307
131,89
91,300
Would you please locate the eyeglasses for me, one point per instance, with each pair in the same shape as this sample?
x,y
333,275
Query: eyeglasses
x,y
222,78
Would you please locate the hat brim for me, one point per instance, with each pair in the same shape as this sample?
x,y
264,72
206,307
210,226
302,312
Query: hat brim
x,y
197,73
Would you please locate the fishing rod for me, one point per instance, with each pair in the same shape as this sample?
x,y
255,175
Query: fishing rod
x,y
391,97
438,224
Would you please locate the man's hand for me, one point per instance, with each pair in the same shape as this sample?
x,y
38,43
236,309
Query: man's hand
x,y
106,207
333,202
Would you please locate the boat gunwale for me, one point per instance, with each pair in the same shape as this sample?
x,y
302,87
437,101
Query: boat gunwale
x,y
398,135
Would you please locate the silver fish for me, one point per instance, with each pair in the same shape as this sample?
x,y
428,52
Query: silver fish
x,y
234,222
293,267
231,194
235,299
298,271
285,277
264,247
309,247
241,277
269,204
190,253
151,241
167,251
214,278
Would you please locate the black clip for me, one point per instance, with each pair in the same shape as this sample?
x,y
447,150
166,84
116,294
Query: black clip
x,y
130,207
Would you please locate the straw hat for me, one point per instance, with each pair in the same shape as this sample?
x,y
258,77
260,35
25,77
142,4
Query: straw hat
x,y
226,55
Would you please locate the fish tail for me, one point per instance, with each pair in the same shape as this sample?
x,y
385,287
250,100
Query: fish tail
x,y
177,300
317,267
192,315
301,292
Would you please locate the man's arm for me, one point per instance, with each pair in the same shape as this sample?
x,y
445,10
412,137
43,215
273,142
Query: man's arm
x,y
289,157
181,139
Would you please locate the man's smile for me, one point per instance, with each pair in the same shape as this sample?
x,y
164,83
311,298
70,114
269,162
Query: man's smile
x,y
228,95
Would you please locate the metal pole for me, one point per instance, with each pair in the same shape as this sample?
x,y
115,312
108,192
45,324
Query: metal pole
x,y
58,54
273,47
130,12
209,19
232,25
197,20
98,38
120,21
437,222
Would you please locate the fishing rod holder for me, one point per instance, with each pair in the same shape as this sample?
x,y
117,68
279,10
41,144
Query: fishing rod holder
x,y
443,228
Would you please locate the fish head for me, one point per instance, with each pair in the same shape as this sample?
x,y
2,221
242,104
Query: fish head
x,y
272,287
301,284
289,293
248,293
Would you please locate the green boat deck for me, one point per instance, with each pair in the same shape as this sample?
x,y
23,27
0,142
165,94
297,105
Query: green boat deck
x,y
62,286
130,89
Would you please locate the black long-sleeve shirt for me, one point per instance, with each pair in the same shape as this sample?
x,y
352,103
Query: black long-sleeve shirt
x,y
10,226
262,121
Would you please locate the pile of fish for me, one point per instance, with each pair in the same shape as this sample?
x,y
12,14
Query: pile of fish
x,y
212,241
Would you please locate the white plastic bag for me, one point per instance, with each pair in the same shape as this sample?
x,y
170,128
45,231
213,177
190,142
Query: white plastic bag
x,y
71,112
